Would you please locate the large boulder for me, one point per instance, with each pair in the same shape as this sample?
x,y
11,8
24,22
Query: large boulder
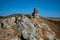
x,y
28,28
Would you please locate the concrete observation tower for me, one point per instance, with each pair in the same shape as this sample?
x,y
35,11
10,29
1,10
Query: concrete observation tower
x,y
35,13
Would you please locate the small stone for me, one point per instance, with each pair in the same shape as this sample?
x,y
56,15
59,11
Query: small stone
x,y
15,38
25,34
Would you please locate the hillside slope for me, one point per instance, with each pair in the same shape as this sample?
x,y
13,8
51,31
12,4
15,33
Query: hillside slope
x,y
25,27
54,24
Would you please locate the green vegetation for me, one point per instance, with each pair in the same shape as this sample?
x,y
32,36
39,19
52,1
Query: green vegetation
x,y
14,15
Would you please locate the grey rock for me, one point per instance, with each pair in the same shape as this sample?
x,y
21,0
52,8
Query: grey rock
x,y
15,38
25,34
51,36
26,27
45,26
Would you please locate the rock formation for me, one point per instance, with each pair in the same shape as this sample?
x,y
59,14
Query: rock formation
x,y
24,28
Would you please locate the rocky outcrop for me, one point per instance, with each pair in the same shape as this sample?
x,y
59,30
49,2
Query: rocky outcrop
x,y
23,28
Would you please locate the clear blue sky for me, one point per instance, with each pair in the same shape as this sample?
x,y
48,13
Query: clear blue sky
x,y
47,8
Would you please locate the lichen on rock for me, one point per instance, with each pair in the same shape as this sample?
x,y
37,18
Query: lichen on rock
x,y
23,28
